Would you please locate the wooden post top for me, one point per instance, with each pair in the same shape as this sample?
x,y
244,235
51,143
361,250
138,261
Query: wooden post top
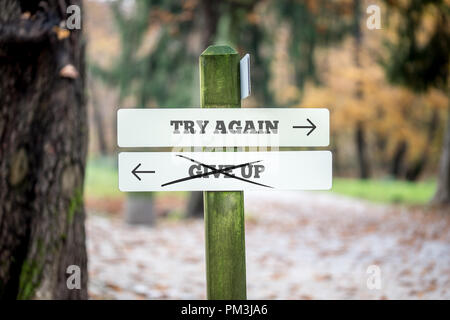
x,y
219,78
219,50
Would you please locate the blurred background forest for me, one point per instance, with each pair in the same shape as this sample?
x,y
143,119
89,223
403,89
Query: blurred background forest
x,y
386,88
387,91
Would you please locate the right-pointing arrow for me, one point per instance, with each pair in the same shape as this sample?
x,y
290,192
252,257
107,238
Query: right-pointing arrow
x,y
135,172
312,127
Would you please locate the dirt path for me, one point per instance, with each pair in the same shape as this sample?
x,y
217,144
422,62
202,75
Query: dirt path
x,y
299,246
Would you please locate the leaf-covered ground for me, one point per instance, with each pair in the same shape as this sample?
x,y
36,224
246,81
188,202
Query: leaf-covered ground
x,y
299,246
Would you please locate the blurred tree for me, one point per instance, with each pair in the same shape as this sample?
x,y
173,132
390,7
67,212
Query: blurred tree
x,y
43,138
154,64
360,133
442,195
98,117
419,59
233,22
160,72
245,30
254,27
315,25
391,114
312,24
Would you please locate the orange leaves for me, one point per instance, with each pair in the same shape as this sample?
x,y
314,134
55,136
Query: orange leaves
x,y
162,16
26,15
313,6
282,79
167,17
390,113
253,18
61,33
436,99
190,4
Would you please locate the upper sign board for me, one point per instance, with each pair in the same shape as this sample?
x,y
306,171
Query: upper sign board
x,y
253,127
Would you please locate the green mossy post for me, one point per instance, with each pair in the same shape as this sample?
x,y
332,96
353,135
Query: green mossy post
x,y
224,211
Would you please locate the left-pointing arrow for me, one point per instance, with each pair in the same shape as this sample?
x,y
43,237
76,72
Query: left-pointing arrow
x,y
135,172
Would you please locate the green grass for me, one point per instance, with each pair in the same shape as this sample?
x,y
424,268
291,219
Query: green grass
x,y
386,191
102,178
102,181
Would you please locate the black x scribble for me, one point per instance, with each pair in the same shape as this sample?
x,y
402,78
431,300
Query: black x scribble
x,y
215,171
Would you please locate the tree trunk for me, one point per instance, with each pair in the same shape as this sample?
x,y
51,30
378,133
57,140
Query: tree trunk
x,y
414,171
442,195
195,205
363,161
337,167
360,135
398,160
98,119
211,15
43,140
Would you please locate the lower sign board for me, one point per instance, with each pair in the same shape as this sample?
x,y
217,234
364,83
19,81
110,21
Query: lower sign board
x,y
224,171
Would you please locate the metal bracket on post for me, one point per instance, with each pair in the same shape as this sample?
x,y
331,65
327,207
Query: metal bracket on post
x,y
244,67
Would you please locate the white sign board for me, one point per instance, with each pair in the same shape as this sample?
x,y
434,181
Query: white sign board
x,y
222,171
257,127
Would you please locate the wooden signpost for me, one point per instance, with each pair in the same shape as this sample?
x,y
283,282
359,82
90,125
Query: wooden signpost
x,y
224,175
224,211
